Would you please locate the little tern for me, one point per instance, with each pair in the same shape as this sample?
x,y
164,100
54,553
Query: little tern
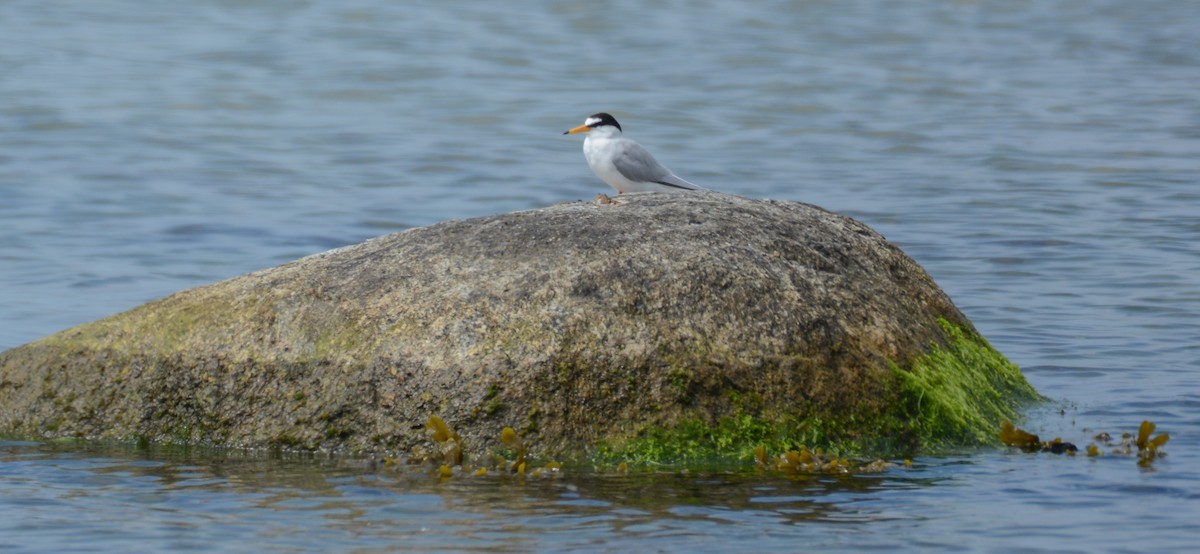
x,y
623,163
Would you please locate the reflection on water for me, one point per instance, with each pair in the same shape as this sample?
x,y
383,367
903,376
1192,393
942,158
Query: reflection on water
x,y
266,498
1038,158
169,498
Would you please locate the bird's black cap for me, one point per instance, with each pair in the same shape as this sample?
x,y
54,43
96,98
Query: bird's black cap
x,y
601,119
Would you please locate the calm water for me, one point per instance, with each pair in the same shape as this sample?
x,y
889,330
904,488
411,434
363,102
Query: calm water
x,y
1041,159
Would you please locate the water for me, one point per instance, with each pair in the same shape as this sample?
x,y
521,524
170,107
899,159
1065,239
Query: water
x,y
1040,159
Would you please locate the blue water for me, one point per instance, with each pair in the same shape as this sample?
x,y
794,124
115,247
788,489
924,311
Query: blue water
x,y
1040,159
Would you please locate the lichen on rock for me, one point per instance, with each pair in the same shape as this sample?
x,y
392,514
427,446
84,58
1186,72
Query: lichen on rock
x,y
580,325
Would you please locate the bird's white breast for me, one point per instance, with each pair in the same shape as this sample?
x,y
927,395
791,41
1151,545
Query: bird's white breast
x,y
600,151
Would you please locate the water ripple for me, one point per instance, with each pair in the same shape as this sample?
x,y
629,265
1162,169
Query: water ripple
x,y
1038,159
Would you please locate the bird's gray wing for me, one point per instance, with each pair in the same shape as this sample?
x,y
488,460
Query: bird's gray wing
x,y
637,164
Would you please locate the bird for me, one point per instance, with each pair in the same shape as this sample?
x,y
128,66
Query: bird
x,y
622,163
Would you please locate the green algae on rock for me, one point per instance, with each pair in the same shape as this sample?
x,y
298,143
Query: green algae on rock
x,y
956,394
950,398
581,326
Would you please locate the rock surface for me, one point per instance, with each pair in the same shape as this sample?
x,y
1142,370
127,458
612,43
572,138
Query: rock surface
x,y
576,324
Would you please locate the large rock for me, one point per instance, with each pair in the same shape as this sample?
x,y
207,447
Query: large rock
x,y
578,324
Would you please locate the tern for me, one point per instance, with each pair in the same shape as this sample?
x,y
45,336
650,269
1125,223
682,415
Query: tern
x,y
622,163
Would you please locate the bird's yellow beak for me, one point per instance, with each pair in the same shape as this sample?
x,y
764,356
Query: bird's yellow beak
x,y
579,129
